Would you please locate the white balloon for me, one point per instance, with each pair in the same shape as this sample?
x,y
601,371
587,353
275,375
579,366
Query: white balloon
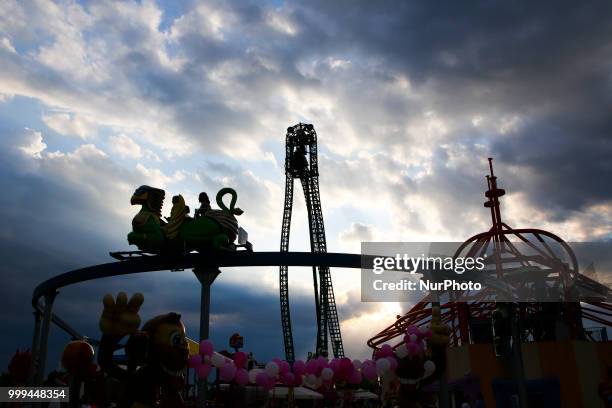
x,y
217,360
357,364
327,373
382,366
310,380
429,367
253,375
401,351
272,369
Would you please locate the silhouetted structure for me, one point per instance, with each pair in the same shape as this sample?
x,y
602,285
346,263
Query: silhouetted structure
x,y
510,265
301,163
482,325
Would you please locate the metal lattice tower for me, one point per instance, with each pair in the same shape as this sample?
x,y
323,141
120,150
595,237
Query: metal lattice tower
x,y
301,163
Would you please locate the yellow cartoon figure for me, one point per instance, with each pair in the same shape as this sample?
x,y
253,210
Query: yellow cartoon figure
x,y
157,353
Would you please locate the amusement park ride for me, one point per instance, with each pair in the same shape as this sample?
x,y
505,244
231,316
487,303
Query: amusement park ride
x,y
509,263
205,244
301,163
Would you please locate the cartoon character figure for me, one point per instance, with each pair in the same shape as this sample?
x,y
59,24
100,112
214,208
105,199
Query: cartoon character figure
x,y
426,359
77,359
212,229
157,354
146,225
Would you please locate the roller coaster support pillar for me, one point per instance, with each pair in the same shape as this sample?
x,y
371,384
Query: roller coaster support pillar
x,y
44,340
206,276
35,347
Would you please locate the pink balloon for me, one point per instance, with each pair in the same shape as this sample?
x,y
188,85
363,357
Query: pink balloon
x,y
271,383
312,367
412,329
369,372
298,379
299,367
262,379
355,377
334,364
288,378
195,361
345,368
322,362
242,376
206,348
284,367
204,370
386,350
240,359
227,372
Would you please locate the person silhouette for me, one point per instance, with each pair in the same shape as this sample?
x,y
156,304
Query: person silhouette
x,y
204,204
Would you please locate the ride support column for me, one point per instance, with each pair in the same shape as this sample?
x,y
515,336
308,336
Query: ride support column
x,y
35,347
206,276
44,341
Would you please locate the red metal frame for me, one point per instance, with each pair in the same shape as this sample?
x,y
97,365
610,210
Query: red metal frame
x,y
502,236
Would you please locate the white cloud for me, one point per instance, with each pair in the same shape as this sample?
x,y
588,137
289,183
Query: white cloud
x,y
125,146
34,144
6,43
337,63
206,20
281,22
5,97
508,124
357,232
70,124
157,178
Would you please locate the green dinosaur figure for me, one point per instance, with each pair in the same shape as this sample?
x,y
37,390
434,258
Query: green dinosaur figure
x,y
211,229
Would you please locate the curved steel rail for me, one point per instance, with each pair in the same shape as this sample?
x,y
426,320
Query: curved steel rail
x,y
196,260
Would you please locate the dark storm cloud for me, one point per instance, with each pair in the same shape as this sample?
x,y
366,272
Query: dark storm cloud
x,y
488,40
548,63
563,167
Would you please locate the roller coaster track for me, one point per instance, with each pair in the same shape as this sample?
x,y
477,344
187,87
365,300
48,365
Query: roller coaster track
x,y
192,260
301,162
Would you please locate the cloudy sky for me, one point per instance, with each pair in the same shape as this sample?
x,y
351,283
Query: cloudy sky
x,y
408,100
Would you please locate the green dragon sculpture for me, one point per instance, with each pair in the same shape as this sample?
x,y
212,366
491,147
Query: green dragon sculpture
x,y
214,229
